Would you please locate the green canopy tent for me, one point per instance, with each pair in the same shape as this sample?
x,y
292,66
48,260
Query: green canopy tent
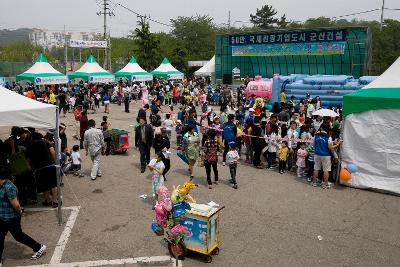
x,y
167,71
92,72
133,72
42,73
371,132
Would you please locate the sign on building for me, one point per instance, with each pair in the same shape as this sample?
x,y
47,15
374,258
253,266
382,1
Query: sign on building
x,y
87,44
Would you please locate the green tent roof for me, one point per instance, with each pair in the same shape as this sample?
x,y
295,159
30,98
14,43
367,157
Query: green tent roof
x,y
371,99
383,93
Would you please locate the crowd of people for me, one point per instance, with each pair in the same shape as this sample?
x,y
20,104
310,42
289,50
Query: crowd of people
x,y
210,125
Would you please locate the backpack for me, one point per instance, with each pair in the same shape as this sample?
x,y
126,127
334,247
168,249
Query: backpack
x,y
229,134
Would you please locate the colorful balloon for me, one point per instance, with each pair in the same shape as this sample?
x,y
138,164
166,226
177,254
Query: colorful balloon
x,y
345,175
352,168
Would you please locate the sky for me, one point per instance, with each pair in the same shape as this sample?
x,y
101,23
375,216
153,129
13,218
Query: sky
x,y
80,15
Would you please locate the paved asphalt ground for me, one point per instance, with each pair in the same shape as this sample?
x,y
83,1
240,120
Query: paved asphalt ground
x,y
271,220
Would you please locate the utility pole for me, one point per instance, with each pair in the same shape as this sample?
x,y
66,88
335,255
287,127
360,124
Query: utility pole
x,y
106,11
229,20
66,51
383,8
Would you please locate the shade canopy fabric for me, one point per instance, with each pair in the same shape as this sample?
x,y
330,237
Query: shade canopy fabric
x,y
42,73
325,113
133,71
383,93
371,141
18,110
92,72
166,70
208,69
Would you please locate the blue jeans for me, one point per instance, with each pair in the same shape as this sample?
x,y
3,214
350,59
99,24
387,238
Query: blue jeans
x,y
249,152
290,161
232,170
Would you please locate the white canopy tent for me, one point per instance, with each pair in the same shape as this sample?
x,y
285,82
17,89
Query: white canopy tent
x,y
371,132
18,110
206,70
42,73
133,72
92,72
167,71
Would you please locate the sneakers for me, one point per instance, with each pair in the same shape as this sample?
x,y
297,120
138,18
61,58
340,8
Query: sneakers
x,y
314,184
309,179
94,178
216,182
235,186
299,176
39,253
191,177
326,186
281,172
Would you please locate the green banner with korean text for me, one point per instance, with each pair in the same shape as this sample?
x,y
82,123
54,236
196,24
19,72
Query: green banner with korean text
x,y
287,49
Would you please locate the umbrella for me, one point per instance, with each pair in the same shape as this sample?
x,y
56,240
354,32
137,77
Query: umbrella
x,y
325,113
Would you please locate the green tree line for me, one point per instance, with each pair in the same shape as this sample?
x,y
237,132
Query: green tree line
x,y
193,38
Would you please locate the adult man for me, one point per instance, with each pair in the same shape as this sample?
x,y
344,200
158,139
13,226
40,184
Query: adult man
x,y
62,103
94,142
10,216
284,115
230,132
257,143
250,116
322,160
144,141
142,112
127,97
291,135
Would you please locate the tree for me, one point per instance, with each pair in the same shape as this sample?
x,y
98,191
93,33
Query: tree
x,y
196,36
265,18
147,45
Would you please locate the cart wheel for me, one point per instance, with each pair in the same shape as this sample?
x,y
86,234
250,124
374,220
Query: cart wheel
x,y
208,259
177,250
215,251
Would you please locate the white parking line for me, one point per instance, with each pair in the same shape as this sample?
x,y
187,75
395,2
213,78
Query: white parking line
x,y
62,242
145,260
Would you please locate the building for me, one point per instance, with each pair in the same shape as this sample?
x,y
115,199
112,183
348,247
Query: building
x,y
330,51
49,39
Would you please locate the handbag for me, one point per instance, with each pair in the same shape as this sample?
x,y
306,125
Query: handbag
x,y
200,161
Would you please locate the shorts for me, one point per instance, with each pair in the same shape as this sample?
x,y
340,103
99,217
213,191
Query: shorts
x,y
46,178
322,162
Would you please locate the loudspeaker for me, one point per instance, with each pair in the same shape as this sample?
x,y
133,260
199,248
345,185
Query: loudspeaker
x,y
227,79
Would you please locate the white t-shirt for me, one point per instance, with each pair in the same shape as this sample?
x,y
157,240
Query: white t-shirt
x,y
168,124
159,166
75,157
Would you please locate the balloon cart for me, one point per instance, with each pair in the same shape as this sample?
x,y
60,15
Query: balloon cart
x,y
119,141
203,221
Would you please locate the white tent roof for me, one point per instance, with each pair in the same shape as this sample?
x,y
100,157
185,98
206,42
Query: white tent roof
x,y
208,69
133,67
91,66
389,79
166,70
18,110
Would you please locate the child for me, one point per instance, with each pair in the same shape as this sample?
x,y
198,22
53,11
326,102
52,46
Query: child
x,y
107,137
178,130
76,161
232,159
157,167
168,124
310,162
218,129
301,160
283,155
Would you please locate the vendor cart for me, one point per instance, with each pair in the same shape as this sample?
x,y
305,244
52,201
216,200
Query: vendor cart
x,y
119,141
203,221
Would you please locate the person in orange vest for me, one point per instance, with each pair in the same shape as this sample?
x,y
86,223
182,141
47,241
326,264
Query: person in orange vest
x,y
30,94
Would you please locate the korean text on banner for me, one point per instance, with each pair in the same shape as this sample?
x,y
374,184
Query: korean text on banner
x,y
87,44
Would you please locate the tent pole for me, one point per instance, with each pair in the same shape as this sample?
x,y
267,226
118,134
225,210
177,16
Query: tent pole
x,y
57,149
